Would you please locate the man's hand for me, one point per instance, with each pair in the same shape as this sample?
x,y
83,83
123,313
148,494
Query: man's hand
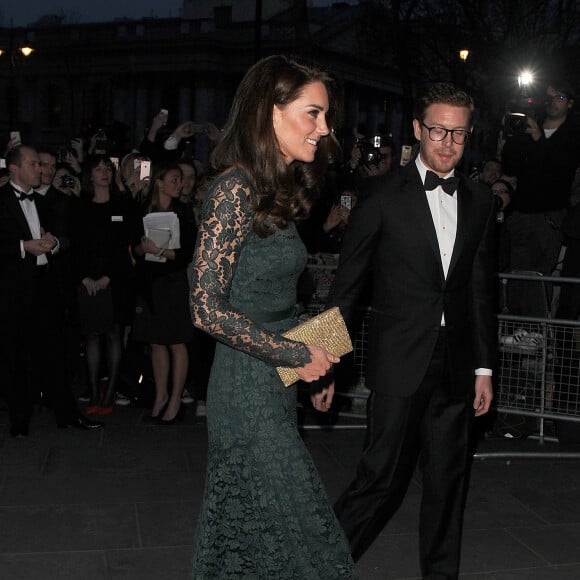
x,y
483,394
322,400
36,247
49,241
533,129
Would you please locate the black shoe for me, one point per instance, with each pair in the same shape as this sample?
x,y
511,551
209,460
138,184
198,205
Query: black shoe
x,y
156,418
178,417
81,422
19,430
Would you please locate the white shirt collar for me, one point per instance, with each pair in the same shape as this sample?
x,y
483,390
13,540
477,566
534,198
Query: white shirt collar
x,y
422,168
20,189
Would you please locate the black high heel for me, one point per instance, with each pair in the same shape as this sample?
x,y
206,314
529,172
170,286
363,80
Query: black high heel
x,y
154,418
177,419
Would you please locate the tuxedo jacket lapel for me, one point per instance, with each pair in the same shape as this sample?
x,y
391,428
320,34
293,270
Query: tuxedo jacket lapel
x,y
16,210
464,209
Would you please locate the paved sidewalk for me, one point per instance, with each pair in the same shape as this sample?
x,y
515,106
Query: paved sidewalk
x,y
121,503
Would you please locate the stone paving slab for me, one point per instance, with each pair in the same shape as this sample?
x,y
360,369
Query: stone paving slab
x,y
54,566
558,544
122,504
80,488
73,527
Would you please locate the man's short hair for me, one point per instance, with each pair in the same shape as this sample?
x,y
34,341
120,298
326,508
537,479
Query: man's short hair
x,y
445,94
14,156
563,87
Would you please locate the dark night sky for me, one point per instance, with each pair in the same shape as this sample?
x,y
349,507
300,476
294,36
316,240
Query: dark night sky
x,y
24,12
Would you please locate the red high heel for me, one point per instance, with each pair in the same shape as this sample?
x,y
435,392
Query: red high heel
x,y
92,410
105,410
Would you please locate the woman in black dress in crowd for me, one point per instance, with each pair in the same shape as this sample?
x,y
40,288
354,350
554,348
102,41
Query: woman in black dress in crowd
x,y
162,316
103,227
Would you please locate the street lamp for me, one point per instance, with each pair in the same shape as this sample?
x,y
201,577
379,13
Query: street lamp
x,y
13,55
525,79
23,50
464,54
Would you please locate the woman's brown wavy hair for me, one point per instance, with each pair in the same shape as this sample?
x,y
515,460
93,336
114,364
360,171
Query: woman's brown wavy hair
x,y
281,192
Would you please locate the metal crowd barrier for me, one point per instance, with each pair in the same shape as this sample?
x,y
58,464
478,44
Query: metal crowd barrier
x,y
538,370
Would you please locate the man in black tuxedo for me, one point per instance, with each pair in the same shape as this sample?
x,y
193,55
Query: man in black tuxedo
x,y
30,309
429,246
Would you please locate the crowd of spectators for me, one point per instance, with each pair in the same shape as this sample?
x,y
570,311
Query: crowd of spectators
x,y
121,285
120,327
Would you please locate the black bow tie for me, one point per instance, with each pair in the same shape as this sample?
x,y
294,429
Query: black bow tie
x,y
23,196
449,185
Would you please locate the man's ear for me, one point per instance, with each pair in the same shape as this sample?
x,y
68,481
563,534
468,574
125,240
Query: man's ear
x,y
417,129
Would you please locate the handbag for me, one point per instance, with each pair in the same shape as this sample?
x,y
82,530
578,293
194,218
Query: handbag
x,y
327,330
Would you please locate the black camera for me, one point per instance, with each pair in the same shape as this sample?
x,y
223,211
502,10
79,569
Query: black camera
x,y
515,124
67,181
370,150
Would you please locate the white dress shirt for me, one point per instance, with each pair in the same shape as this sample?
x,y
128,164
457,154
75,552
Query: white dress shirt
x,y
31,214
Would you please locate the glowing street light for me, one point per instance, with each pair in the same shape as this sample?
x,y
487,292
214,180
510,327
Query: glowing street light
x,y
23,50
14,56
526,78
464,54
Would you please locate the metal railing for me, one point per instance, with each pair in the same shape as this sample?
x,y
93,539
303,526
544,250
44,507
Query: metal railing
x,y
538,370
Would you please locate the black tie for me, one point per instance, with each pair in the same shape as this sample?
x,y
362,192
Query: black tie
x,y
23,196
449,185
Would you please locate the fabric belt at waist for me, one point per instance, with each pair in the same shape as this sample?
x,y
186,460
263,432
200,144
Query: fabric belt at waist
x,y
262,316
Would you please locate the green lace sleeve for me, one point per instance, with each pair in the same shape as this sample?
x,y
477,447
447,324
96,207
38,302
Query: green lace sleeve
x,y
226,221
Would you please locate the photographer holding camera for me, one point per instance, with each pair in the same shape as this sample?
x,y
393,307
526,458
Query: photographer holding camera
x,y
543,156
370,157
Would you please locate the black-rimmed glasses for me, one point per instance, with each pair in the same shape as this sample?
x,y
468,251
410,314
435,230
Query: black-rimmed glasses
x,y
458,136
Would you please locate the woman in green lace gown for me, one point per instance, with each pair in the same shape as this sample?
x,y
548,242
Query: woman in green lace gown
x,y
265,515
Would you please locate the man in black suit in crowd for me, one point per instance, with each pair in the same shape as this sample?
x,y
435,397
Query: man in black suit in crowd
x,y
543,159
429,245
31,339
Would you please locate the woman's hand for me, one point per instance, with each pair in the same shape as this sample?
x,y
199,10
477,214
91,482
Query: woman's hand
x,y
184,131
336,215
89,284
149,246
102,283
73,162
321,362
77,145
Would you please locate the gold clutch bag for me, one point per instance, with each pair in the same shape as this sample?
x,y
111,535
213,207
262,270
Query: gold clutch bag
x,y
326,330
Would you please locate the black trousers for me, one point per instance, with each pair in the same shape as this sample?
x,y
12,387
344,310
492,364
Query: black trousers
x,y
433,424
33,363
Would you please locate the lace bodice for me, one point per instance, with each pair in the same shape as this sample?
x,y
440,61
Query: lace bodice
x,y
236,273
